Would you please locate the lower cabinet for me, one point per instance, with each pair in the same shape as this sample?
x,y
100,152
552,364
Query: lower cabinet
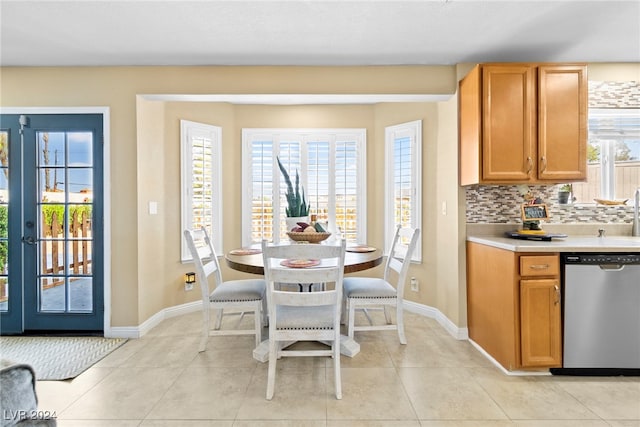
x,y
540,343
513,306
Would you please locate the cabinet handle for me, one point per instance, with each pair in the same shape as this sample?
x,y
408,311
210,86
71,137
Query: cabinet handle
x,y
529,165
539,266
543,164
557,289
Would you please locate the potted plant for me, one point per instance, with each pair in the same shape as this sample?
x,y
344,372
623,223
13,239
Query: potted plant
x,y
297,209
564,194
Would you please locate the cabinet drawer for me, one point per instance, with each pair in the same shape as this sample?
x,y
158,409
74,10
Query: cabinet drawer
x,y
539,265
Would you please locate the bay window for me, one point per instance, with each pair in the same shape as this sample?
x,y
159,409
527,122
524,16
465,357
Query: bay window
x,y
331,167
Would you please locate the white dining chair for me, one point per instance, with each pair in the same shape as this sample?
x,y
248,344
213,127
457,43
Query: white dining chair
x,y
304,316
240,296
372,293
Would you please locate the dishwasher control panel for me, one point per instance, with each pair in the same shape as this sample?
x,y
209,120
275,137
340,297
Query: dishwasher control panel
x,y
620,259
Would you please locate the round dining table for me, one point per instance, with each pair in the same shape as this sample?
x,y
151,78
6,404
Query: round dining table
x,y
357,258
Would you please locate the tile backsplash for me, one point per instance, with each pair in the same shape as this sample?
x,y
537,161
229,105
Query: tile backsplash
x,y
500,204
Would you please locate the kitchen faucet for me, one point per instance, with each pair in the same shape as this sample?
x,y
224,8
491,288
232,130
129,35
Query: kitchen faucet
x,y
635,230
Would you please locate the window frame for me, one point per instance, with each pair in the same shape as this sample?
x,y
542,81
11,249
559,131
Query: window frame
x,y
188,130
608,139
304,136
413,130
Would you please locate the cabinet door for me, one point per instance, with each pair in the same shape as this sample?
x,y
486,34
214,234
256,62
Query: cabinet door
x,y
540,337
492,302
562,122
508,127
469,119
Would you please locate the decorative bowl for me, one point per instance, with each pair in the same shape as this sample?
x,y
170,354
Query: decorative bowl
x,y
307,237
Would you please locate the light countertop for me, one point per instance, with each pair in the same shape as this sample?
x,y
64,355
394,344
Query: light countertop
x,y
568,244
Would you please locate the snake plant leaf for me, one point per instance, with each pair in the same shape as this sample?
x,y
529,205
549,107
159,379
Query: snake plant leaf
x,y
297,205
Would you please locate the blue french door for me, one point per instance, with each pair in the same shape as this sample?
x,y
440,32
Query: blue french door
x,y
51,223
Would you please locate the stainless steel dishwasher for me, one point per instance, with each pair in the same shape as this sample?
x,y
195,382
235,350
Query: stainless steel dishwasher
x,y
601,314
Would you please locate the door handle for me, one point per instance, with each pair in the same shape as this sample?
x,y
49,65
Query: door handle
x,y
29,240
556,288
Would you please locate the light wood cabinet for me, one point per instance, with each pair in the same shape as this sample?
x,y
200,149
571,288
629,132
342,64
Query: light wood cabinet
x,y
513,306
540,324
523,123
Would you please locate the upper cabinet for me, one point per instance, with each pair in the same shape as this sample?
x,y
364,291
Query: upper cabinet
x,y
523,123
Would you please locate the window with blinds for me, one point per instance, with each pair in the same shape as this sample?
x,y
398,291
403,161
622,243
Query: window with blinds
x,y
201,181
613,155
403,177
331,168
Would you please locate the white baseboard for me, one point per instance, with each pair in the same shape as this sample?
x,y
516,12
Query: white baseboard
x,y
153,321
502,368
433,313
178,310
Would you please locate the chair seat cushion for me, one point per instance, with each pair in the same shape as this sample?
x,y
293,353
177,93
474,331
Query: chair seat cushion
x,y
239,290
317,317
368,287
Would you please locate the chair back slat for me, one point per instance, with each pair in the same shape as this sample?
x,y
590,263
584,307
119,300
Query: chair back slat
x,y
304,299
281,274
204,258
329,270
399,259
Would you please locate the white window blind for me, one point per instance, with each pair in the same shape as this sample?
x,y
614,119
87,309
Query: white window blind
x,y
331,169
201,181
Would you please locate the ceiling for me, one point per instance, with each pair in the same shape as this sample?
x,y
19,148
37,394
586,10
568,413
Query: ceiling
x,y
312,32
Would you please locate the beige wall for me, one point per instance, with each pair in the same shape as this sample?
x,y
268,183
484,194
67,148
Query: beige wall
x,y
620,72
146,275
145,270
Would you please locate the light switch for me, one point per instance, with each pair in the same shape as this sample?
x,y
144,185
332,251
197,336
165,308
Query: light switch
x,y
153,208
444,208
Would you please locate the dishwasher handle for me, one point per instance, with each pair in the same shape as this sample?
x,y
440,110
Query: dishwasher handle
x,y
611,267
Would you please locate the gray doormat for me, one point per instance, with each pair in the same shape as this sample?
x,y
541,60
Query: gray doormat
x,y
58,358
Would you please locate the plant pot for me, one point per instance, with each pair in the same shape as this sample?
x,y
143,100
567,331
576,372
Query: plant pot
x,y
563,197
292,221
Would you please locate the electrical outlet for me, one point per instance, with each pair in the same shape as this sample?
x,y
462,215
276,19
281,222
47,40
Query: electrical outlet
x,y
188,287
414,284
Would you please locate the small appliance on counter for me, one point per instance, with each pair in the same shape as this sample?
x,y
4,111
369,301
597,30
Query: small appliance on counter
x,y
532,214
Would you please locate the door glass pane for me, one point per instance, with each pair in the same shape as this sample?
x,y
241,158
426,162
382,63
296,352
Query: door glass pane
x,y
80,294
51,149
52,293
4,220
80,149
79,254
66,204
80,185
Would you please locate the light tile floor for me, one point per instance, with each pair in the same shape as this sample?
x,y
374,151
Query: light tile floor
x,y
435,380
